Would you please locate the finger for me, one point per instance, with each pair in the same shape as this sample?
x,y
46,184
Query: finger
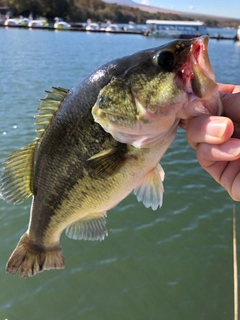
x,y
228,151
230,179
212,130
222,162
228,88
231,106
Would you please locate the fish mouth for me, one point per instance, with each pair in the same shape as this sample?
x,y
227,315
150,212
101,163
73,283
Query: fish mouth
x,y
196,77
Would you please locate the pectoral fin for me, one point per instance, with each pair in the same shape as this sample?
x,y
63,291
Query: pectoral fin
x,y
150,192
108,161
88,229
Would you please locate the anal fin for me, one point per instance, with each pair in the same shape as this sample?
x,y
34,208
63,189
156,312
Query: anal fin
x,y
90,228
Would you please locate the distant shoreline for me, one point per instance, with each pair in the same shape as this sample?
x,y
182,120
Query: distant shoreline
x,y
82,29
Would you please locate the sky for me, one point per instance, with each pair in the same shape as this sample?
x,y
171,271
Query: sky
x,y
222,8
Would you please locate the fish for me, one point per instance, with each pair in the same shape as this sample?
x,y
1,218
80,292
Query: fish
x,y
101,140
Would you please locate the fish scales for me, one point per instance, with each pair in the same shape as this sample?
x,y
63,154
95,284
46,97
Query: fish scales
x,y
102,140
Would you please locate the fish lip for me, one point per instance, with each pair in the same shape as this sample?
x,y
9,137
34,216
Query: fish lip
x,y
196,77
197,57
208,107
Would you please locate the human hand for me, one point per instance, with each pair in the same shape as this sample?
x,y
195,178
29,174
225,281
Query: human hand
x,y
217,141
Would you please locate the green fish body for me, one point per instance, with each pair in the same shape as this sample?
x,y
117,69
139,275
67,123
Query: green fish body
x,y
100,141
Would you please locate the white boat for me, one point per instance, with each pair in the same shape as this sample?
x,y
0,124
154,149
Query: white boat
x,y
35,24
175,28
238,33
24,21
132,27
112,28
61,25
11,22
92,26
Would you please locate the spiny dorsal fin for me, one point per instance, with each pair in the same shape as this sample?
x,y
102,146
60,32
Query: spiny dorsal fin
x,y
17,175
48,107
88,229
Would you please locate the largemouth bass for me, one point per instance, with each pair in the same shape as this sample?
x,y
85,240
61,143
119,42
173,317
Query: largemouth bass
x,y
102,140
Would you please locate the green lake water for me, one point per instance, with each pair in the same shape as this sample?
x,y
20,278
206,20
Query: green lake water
x,y
171,264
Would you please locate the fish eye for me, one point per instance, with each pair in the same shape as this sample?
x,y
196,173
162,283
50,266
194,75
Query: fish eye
x,y
165,59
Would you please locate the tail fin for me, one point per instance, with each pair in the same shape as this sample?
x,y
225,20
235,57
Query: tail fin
x,y
33,259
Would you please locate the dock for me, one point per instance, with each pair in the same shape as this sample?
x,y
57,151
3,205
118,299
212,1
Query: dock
x,y
80,28
75,28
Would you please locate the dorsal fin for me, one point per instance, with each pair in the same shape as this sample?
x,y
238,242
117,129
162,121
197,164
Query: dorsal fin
x,y
48,107
16,180
17,175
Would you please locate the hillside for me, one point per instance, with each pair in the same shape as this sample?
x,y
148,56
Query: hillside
x,y
142,7
129,10
158,9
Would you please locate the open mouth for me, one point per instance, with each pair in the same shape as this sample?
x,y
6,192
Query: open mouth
x,y
196,78
196,73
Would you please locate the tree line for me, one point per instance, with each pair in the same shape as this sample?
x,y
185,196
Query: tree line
x,y
81,10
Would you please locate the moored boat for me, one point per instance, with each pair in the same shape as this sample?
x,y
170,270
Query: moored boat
x,y
175,28
132,27
92,27
112,28
238,33
61,25
35,24
11,22
24,21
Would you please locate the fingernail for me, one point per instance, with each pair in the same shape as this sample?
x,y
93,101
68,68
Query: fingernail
x,y
216,127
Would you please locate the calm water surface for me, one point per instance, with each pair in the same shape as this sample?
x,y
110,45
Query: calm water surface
x,y
173,263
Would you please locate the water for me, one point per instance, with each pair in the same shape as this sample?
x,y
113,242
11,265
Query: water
x,y
173,263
